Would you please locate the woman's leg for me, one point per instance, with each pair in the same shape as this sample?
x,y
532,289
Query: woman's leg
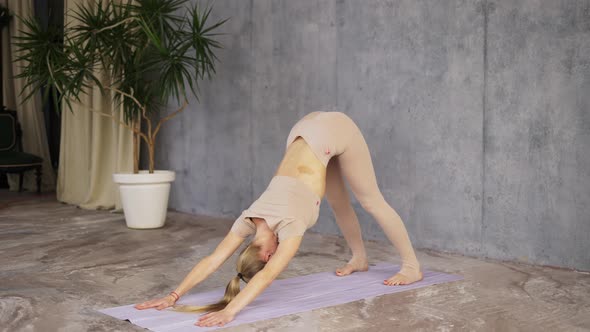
x,y
337,197
357,167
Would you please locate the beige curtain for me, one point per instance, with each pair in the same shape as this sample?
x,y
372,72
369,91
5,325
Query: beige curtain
x,y
30,113
93,147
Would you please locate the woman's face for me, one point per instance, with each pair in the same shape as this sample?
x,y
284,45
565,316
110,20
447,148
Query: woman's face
x,y
268,246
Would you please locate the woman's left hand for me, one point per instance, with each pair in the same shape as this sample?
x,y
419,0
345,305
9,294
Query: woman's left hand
x,y
217,318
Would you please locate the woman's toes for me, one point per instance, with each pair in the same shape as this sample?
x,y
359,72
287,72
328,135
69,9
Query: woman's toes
x,y
351,267
401,279
345,270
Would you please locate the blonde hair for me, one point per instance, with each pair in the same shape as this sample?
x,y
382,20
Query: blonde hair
x,y
248,265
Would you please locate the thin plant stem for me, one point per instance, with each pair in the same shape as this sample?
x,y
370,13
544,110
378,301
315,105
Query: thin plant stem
x,y
141,106
115,25
142,135
184,104
136,146
126,95
51,74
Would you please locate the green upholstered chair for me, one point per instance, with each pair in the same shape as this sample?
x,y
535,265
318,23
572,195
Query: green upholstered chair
x,y
12,159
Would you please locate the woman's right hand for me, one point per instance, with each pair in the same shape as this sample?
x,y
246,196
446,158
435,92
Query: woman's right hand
x,y
159,304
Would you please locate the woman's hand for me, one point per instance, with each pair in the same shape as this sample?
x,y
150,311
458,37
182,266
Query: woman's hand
x,y
217,318
159,304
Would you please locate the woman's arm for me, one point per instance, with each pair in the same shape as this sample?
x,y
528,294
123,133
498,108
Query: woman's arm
x,y
261,280
211,263
200,272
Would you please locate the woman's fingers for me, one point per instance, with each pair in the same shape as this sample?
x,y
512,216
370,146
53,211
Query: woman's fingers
x,y
205,316
213,322
207,320
144,305
219,318
157,303
202,322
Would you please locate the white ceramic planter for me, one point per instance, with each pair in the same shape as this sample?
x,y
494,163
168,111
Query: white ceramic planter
x,y
144,197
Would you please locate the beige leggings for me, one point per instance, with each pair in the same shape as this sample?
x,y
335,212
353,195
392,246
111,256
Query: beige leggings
x,y
349,158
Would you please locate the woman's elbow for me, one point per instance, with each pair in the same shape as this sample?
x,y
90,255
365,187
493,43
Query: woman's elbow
x,y
266,276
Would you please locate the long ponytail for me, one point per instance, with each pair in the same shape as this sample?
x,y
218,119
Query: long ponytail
x,y
248,265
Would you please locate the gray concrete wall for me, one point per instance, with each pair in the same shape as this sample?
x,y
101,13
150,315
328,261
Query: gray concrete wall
x,y
476,113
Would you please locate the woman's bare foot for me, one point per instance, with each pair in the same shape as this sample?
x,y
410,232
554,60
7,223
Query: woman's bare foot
x,y
404,278
354,265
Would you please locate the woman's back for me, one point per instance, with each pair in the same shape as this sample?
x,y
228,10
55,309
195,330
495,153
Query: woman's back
x,y
300,162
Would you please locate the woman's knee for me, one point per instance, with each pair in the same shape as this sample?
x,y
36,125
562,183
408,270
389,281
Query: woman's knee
x,y
373,203
339,203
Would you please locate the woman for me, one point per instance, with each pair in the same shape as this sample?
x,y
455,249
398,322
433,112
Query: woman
x,y
323,148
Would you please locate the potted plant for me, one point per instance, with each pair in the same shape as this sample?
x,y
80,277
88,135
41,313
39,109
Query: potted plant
x,y
141,53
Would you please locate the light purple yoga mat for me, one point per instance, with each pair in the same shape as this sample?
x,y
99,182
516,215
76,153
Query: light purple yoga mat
x,y
283,297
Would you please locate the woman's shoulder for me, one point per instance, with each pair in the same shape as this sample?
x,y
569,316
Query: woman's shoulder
x,y
290,227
